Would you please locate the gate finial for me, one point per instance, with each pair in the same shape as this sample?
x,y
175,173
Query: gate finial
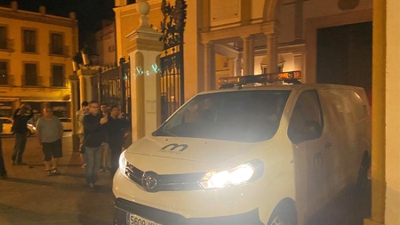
x,y
143,7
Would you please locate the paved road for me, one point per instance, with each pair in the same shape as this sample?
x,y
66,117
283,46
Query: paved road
x,y
29,197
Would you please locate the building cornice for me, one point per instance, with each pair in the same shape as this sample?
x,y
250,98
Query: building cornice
x,y
37,17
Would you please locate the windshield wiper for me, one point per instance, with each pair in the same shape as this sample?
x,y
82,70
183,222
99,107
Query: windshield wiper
x,y
164,132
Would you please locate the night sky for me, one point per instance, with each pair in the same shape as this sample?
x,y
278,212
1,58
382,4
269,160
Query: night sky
x,y
88,12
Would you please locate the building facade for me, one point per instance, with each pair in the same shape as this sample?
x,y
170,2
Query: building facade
x,y
35,59
240,37
105,45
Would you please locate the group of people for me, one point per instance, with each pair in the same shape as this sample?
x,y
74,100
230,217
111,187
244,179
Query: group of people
x,y
49,132
102,134
101,137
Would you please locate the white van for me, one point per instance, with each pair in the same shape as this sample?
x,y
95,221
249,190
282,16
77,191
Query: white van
x,y
263,154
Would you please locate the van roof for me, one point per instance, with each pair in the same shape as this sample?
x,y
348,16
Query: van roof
x,y
282,87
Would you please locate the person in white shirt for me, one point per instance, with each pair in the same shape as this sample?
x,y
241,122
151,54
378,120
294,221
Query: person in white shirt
x,y
80,114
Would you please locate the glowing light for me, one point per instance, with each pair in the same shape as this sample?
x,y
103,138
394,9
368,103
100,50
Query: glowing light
x,y
227,178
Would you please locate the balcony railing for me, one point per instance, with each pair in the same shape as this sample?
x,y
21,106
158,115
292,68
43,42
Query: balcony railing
x,y
32,81
6,45
7,80
58,82
59,50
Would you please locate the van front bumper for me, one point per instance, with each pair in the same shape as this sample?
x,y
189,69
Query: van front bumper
x,y
124,207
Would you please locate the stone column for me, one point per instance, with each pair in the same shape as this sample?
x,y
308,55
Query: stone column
x,y
144,52
73,109
380,125
272,53
209,66
237,66
85,83
250,59
246,54
299,64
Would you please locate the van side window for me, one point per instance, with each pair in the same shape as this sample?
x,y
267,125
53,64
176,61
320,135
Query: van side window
x,y
306,122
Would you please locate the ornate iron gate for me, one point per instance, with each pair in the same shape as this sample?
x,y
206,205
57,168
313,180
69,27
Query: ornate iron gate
x,y
114,86
172,77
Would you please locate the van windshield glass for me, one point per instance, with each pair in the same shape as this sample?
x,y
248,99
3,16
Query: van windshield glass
x,y
245,116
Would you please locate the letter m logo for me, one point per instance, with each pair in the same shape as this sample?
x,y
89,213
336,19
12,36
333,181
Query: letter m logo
x,y
175,146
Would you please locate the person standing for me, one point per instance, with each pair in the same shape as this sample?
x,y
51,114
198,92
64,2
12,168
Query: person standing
x,y
3,172
50,132
80,114
105,147
21,117
95,130
115,129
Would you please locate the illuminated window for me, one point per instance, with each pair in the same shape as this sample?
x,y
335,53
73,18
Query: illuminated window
x,y
3,38
29,40
57,44
57,72
31,77
3,72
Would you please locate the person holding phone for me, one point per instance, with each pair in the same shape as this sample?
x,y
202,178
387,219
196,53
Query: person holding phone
x,y
95,131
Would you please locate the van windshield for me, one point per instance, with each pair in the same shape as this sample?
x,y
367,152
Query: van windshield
x,y
244,116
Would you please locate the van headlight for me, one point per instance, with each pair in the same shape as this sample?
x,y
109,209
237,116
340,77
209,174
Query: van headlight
x,y
122,162
232,177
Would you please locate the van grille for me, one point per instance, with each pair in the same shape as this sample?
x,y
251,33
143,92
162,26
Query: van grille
x,y
153,182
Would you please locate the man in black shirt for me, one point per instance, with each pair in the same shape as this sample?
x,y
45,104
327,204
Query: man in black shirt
x,y
94,134
21,117
115,127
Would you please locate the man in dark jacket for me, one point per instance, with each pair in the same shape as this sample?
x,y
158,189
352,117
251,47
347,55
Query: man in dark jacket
x,y
21,117
94,134
115,127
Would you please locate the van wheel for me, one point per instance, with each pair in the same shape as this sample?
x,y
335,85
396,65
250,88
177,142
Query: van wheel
x,y
282,219
362,179
285,215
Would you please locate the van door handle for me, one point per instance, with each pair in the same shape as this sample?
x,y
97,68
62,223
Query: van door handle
x,y
328,145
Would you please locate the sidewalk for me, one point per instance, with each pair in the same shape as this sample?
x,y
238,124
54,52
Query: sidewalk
x,y
28,196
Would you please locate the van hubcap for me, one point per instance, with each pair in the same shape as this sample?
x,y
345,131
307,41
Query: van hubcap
x,y
278,221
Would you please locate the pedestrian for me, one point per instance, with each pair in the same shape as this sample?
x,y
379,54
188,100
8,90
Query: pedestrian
x,y
21,117
3,172
80,114
94,129
115,129
49,132
105,147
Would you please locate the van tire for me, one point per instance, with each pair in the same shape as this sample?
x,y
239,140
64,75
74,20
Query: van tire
x,y
284,214
362,179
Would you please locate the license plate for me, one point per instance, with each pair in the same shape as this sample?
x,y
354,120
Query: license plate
x,y
132,219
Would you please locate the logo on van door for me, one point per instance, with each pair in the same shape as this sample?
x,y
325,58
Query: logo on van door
x,y
174,148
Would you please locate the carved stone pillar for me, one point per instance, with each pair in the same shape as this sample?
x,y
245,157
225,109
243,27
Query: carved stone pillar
x,y
209,66
248,55
73,109
272,53
144,53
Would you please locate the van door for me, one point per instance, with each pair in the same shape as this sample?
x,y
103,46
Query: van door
x,y
312,145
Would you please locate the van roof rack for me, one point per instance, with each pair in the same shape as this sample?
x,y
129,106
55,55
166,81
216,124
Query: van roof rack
x,y
291,77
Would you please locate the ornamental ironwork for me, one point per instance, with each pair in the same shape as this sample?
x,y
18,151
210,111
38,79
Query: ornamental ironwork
x,y
172,77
